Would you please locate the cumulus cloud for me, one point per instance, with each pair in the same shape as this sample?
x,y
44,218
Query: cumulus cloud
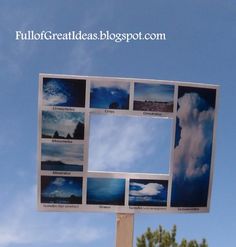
x,y
192,154
53,94
150,189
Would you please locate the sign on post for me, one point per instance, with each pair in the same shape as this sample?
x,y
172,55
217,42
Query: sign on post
x,y
80,170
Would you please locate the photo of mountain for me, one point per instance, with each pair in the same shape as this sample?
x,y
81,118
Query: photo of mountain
x,y
109,95
64,92
105,191
62,125
62,157
193,146
153,97
61,190
148,192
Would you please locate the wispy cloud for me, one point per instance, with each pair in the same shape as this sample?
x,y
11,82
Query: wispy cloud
x,y
111,84
22,224
70,153
81,58
127,143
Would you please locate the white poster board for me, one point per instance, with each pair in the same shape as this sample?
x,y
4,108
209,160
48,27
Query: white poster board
x,y
67,105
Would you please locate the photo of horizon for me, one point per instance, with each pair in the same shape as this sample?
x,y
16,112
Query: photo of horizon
x,y
63,125
62,157
109,95
105,191
153,97
61,190
148,192
64,92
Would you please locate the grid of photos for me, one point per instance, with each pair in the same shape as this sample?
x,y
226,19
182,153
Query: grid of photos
x,y
62,128
79,115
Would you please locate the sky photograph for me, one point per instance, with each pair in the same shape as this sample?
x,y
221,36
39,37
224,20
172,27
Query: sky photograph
x,y
192,165
153,92
64,123
105,191
63,92
61,190
199,47
109,95
153,97
147,192
62,156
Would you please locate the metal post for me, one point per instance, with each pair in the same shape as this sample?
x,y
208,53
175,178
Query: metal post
x,y
124,230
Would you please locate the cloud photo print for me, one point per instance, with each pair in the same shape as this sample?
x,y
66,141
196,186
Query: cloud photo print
x,y
125,145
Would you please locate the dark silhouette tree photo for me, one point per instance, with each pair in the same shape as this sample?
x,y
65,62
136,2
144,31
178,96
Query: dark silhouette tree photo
x,y
79,131
55,135
114,105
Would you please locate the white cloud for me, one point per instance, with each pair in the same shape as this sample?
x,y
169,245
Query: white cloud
x,y
196,137
22,224
151,189
59,181
109,84
54,99
60,193
81,58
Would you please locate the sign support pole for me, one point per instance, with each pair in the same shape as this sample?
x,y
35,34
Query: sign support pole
x,y
124,230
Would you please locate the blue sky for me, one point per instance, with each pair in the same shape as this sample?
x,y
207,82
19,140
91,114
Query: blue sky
x,y
200,47
63,122
69,154
63,92
161,93
103,94
148,192
148,139
62,187
195,116
108,191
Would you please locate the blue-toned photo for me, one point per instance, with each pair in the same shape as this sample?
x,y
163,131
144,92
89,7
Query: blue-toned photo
x,y
148,192
109,95
62,157
106,191
61,190
62,125
153,97
64,92
193,147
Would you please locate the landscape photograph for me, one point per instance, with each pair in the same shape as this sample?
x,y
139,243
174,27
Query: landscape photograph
x,y
148,192
61,190
63,125
62,157
109,95
153,97
105,191
64,92
193,152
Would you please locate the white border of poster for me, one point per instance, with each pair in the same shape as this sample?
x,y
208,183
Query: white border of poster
x,y
187,186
